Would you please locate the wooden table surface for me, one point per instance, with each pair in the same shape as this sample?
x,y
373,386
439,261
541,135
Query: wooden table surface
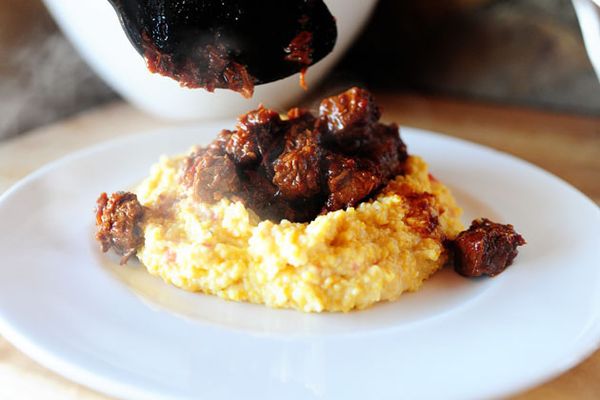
x,y
566,145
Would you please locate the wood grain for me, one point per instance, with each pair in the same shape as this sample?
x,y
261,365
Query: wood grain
x,y
567,145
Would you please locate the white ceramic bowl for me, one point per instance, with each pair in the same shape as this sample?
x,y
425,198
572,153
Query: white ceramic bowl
x,y
588,12
94,29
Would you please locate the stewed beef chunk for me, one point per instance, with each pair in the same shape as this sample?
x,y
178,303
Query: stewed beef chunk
x,y
349,181
298,168
259,193
386,150
211,174
255,132
118,220
486,248
348,119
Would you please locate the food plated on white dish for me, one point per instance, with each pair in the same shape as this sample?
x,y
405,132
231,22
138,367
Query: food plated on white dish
x,y
124,332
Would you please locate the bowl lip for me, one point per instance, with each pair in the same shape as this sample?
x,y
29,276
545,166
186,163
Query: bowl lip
x,y
588,15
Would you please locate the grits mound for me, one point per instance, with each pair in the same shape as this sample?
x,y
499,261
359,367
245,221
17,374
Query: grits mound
x,y
343,260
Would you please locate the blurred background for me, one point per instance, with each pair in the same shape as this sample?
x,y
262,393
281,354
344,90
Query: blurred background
x,y
518,52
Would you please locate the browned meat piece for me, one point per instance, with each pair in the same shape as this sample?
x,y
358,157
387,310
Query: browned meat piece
x,y
348,119
349,181
255,132
211,174
258,193
300,135
242,147
387,150
292,135
298,169
486,248
269,154
118,223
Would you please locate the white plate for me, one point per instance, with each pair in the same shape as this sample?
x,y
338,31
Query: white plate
x,y
122,332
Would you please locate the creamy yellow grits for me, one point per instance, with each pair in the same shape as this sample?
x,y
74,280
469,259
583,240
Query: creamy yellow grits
x,y
344,260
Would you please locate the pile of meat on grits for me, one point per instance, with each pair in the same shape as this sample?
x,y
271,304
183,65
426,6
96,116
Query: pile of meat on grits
x,y
340,176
